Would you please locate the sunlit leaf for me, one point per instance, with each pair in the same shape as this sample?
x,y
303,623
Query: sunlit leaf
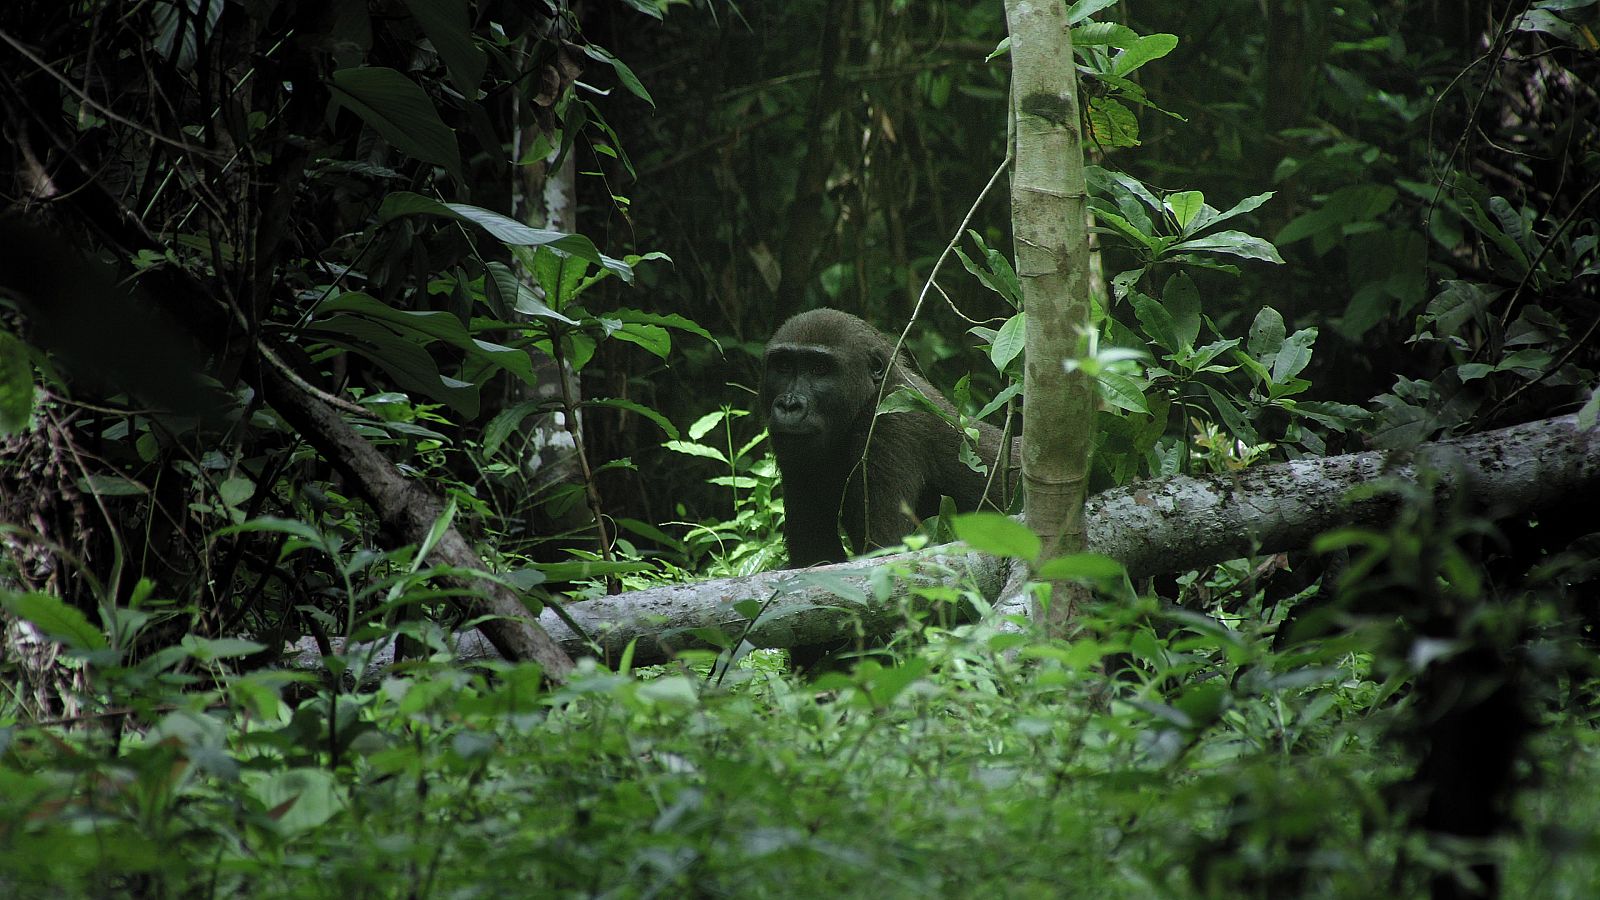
x,y
997,534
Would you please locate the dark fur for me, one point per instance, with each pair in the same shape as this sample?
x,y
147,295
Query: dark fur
x,y
819,426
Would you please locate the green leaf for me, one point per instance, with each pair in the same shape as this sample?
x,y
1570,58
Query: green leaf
x,y
1184,206
665,320
1008,342
1209,217
669,691
449,28
559,275
505,423
997,534
703,425
208,649
1122,392
433,323
573,570
1234,243
55,618
236,490
884,684
111,486
1294,355
1157,323
1182,301
507,359
1356,203
502,228
1112,124
1147,48
998,276
1459,305
651,8
650,532
408,363
624,74
16,385
1083,9
641,409
693,449
651,337
1338,416
293,527
1087,566
1122,226
911,400
297,800
1202,356
1000,400
395,107
1266,335
1232,417
1101,34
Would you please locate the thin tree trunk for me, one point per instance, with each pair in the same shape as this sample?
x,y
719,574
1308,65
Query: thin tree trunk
x,y
1048,209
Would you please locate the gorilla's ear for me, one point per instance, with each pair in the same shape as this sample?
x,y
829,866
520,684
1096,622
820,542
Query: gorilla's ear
x,y
878,362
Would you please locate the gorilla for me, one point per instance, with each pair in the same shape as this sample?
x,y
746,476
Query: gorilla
x,y
820,388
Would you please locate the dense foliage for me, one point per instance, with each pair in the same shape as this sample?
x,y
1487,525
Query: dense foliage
x,y
528,252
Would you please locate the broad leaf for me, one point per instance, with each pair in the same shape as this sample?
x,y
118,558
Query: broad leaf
x,y
449,28
641,409
1147,48
1235,243
51,615
503,228
1157,323
395,107
997,535
1294,355
1122,392
1008,342
1184,206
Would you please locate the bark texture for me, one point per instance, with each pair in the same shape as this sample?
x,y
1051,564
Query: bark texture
x,y
1048,206
409,510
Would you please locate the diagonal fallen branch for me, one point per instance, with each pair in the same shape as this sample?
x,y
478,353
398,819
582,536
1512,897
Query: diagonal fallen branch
x,y
1163,525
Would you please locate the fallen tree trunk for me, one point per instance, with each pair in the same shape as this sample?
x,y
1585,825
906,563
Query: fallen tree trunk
x,y
411,511
1163,525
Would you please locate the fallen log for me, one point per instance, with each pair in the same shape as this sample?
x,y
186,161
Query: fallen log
x,y
1162,525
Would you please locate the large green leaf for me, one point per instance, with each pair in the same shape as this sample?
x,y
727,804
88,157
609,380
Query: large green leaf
x,y
997,534
433,323
406,361
399,110
665,320
449,28
1008,342
1157,323
51,615
1145,49
1236,243
503,228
